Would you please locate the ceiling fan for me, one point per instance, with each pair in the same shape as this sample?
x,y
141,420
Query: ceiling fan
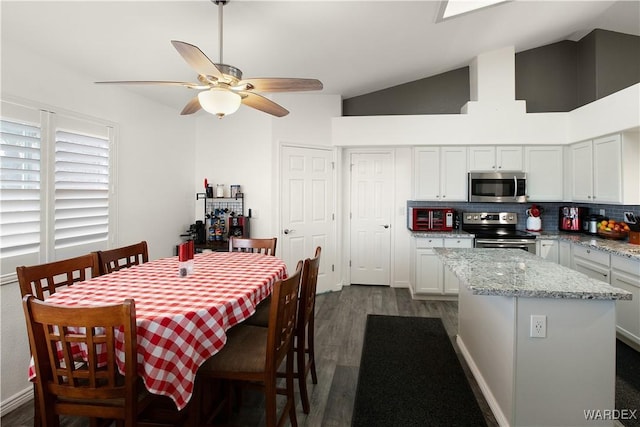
x,y
222,88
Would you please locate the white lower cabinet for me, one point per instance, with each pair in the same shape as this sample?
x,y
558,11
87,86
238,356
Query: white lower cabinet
x,y
431,277
548,249
625,274
592,262
564,253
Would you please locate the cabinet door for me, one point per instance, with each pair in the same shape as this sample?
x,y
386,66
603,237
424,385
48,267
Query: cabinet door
x,y
426,181
509,158
482,158
592,270
607,169
544,166
582,172
564,254
628,312
428,272
548,249
453,174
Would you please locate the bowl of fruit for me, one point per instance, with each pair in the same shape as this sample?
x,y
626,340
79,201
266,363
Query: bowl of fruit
x,y
612,229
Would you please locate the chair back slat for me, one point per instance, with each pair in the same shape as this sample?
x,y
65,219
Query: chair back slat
x,y
124,257
265,246
44,279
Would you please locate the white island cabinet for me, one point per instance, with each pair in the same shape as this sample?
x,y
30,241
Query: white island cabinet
x,y
553,380
430,278
625,274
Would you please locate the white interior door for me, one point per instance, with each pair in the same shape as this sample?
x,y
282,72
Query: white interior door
x,y
370,218
307,210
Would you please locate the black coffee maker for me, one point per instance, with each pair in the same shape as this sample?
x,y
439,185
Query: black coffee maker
x,y
198,233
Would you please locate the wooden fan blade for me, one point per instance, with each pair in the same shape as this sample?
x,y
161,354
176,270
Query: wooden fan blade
x,y
279,84
156,82
261,103
197,59
193,106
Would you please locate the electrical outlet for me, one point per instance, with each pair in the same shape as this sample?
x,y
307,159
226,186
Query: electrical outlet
x,y
538,326
602,212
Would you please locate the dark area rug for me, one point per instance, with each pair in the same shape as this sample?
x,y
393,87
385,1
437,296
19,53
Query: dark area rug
x,y
628,384
410,375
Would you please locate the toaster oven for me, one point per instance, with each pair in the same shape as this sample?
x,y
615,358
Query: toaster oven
x,y
430,219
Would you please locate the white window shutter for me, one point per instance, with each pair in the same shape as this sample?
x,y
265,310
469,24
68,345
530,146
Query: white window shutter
x,y
20,155
81,189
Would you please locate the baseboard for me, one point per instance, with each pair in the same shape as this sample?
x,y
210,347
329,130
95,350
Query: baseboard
x,y
484,387
15,401
628,339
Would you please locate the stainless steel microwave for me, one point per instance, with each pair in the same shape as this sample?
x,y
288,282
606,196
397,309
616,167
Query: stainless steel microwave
x,y
498,187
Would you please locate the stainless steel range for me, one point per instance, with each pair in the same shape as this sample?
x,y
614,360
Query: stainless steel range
x,y
497,230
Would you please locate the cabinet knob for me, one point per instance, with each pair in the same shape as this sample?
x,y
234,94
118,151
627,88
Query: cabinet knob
x,y
443,196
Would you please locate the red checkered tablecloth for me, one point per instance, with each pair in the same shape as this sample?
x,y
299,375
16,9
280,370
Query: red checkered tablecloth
x,y
182,321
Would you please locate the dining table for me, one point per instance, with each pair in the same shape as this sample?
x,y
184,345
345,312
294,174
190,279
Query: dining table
x,y
181,321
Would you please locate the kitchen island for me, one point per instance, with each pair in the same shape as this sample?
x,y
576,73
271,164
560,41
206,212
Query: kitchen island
x,y
561,379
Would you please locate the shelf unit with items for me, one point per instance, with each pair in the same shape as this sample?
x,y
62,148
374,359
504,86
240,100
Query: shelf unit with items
x,y
223,217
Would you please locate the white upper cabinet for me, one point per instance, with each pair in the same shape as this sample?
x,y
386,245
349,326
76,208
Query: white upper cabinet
x,y
543,165
606,170
495,158
440,173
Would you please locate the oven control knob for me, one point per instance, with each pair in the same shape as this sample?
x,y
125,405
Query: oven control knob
x,y
468,216
475,217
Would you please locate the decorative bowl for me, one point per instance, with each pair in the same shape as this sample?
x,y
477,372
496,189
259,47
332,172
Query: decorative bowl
x,y
614,235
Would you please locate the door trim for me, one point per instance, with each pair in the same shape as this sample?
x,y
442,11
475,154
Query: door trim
x,y
335,250
346,201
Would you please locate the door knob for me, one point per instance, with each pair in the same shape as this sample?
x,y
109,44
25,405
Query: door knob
x,y
287,231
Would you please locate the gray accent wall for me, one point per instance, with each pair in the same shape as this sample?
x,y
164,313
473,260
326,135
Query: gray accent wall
x,y
444,93
554,78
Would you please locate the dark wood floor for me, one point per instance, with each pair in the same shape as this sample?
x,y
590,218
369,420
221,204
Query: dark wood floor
x,y
340,322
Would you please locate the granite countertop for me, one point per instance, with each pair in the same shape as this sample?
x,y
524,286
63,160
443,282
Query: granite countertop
x,y
505,272
615,247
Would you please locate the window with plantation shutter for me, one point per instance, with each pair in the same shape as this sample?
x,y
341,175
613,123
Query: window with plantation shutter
x,y
19,188
56,195
81,189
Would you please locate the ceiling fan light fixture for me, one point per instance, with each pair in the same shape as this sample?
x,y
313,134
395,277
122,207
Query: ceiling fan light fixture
x,y
220,102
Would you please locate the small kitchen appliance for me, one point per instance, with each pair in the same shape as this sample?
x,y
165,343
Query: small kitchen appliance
x,y
497,230
572,218
430,219
498,187
238,226
534,222
592,223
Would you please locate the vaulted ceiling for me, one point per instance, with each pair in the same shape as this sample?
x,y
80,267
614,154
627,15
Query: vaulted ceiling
x,y
353,47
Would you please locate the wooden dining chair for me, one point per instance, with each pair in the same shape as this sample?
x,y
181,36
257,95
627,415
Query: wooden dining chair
x,y
265,246
304,347
253,354
94,388
124,257
42,280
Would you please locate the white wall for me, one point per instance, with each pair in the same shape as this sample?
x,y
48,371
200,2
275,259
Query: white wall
x,y
243,149
154,166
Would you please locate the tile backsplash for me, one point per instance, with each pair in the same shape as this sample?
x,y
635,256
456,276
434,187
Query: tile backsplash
x,y
550,210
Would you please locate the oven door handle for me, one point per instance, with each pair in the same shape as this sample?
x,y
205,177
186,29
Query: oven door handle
x,y
505,244
515,187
